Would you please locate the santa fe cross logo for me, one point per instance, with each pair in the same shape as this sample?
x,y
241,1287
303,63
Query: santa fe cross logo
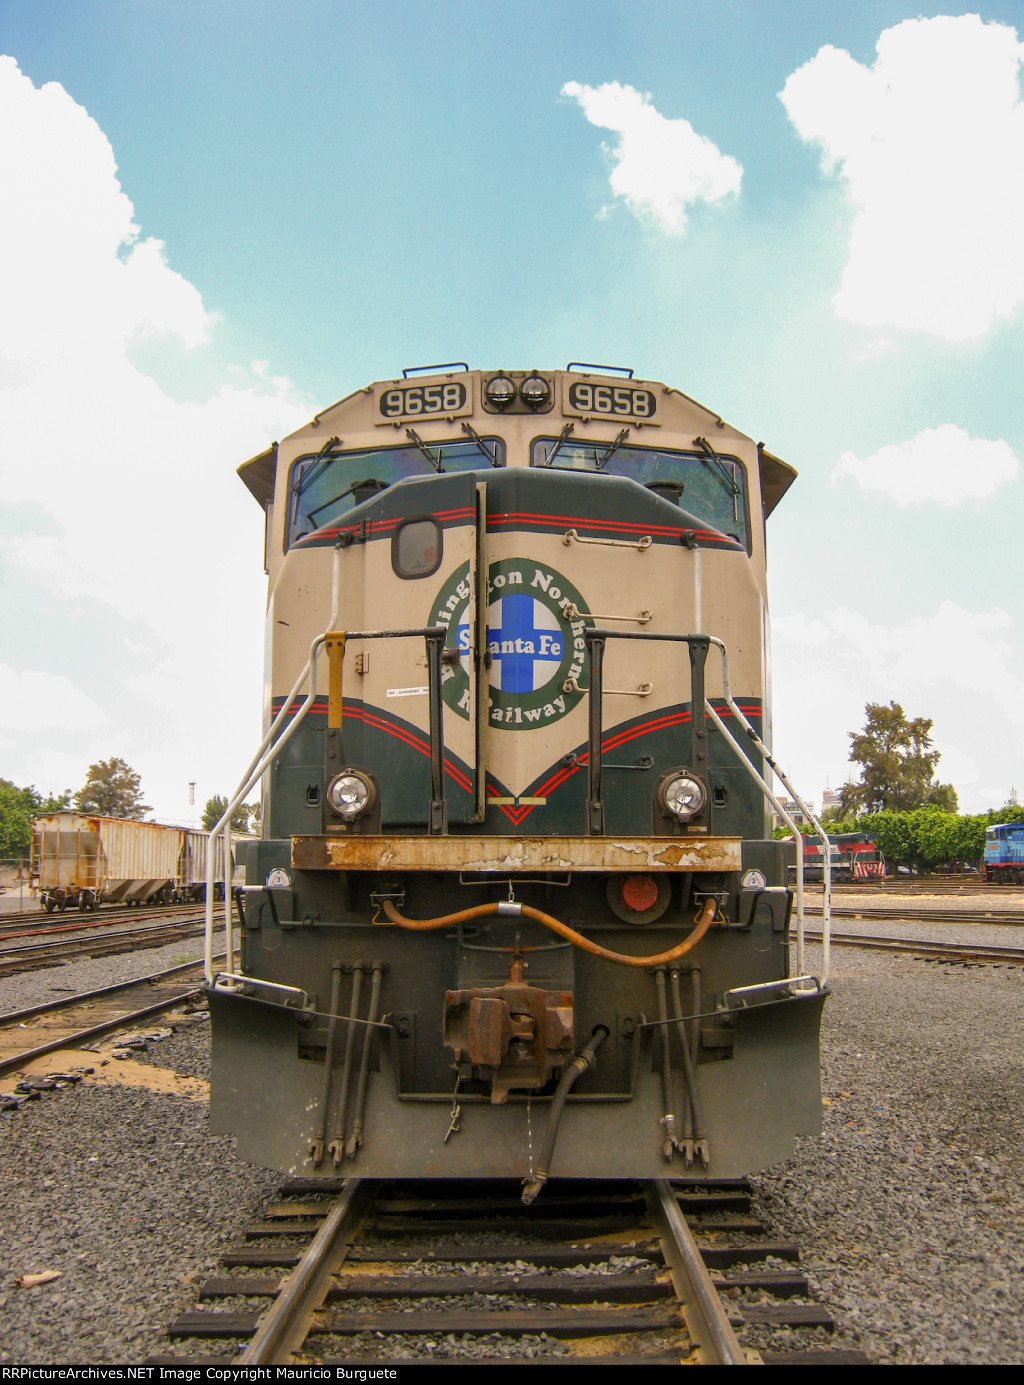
x,y
537,655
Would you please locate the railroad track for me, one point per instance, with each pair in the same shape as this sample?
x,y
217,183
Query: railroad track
x,y
18,955
887,914
41,926
350,1273
921,947
79,1019
46,923
918,884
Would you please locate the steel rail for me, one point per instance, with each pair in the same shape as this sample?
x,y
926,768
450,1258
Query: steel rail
x,y
95,1031
928,947
69,947
284,1326
706,1318
108,920
972,916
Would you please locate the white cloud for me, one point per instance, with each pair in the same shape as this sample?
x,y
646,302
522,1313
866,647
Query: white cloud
x,y
142,531
954,665
930,142
659,165
66,211
944,464
36,701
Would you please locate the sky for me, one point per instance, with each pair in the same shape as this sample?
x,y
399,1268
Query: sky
x,y
220,217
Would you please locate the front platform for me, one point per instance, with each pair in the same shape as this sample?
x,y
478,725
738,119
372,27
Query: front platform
x,y
756,1102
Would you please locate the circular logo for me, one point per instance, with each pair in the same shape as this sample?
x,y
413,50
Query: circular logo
x,y
535,624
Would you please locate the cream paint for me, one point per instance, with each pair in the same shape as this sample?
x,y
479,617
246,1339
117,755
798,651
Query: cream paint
x,y
686,590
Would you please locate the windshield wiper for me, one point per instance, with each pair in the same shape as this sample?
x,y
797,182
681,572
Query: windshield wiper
x,y
415,438
613,449
558,445
471,432
729,482
321,462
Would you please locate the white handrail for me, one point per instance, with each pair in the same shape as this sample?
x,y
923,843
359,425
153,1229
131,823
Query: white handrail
x,y
826,845
762,783
268,748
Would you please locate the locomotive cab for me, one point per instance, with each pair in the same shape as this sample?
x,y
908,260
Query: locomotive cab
x,y
516,868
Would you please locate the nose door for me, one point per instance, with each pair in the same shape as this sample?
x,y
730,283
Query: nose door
x,y
423,565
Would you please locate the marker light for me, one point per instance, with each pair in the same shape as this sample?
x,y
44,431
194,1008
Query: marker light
x,y
683,796
500,391
350,794
535,392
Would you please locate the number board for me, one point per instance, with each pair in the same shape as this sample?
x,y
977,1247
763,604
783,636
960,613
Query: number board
x,y
611,401
405,401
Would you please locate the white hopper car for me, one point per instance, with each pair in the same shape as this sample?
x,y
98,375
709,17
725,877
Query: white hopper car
x,y
84,860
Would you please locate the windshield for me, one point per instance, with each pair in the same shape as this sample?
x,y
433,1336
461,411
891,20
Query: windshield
x,y
325,487
711,487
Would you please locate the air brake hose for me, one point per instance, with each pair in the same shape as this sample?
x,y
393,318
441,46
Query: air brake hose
x,y
703,922
582,1063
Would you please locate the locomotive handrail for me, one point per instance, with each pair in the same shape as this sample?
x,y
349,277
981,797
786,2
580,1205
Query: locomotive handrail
x,y
826,872
253,773
272,743
701,707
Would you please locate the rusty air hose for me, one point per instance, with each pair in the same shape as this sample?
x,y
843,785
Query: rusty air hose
x,y
703,922
582,1063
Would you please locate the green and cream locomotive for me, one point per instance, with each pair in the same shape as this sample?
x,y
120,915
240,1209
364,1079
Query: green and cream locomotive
x,y
516,910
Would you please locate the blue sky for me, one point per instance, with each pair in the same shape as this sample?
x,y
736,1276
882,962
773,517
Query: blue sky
x,y
806,215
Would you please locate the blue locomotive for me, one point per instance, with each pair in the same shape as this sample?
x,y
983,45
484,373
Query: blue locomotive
x,y
1003,862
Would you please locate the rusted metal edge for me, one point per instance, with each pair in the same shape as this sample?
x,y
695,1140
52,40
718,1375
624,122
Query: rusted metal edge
x,y
706,1318
509,855
283,1327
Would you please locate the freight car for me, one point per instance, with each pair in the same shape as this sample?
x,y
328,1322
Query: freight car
x,y
516,910
82,860
1003,861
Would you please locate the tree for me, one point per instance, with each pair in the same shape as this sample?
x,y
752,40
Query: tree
x,y
897,765
17,809
214,811
112,790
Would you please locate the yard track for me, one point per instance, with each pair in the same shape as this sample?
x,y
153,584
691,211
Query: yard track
x,y
89,1015
26,950
593,1273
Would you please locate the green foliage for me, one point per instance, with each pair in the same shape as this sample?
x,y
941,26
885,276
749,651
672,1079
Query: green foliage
x,y
112,789
245,818
17,809
897,765
928,836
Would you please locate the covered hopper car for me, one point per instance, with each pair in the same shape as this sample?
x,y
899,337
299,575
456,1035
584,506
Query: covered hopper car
x,y
81,860
516,910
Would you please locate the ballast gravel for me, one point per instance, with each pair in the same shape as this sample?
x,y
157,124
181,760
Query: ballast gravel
x,y
906,1209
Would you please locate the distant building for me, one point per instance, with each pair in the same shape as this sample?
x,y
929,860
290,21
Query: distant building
x,y
791,808
830,798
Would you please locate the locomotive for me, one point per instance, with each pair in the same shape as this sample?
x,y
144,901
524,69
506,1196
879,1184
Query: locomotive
x,y
516,910
1003,858
855,856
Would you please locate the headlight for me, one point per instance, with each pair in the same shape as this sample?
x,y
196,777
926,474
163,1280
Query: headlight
x,y
535,392
350,794
500,391
683,796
